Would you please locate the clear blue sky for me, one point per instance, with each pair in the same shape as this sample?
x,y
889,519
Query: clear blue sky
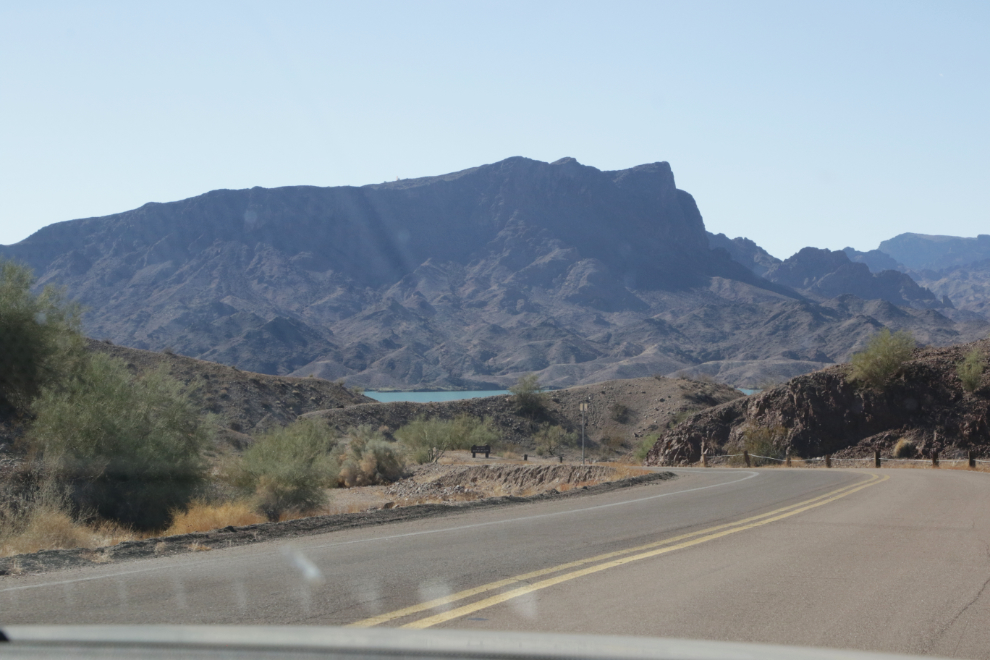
x,y
793,123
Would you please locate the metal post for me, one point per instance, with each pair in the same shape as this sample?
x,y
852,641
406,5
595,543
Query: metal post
x,y
972,458
584,414
934,458
876,458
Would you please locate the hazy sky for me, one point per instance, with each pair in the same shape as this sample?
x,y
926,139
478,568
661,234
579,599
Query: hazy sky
x,y
793,123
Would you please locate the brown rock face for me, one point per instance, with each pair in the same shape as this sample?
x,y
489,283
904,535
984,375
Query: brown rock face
x,y
825,413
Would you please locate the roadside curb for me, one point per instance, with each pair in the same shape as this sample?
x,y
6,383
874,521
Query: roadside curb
x,y
229,537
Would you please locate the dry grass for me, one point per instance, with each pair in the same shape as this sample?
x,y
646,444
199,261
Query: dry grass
x,y
336,509
203,517
624,471
51,529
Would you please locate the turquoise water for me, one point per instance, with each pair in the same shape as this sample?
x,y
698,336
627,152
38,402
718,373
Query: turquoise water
x,y
428,397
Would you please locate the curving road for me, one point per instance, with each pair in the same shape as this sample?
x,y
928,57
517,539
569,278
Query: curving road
x,y
883,560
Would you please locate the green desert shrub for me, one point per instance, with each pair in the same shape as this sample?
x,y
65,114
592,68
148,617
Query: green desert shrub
x,y
765,441
904,449
370,459
619,412
970,370
427,440
288,469
550,440
883,357
39,337
645,446
128,448
528,395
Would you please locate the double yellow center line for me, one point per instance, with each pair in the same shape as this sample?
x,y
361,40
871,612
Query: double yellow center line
x,y
595,564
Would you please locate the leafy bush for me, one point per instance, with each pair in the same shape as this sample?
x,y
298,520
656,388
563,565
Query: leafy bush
x,y
619,412
39,337
529,395
645,446
287,469
970,370
883,357
427,440
551,440
369,459
765,441
904,449
129,449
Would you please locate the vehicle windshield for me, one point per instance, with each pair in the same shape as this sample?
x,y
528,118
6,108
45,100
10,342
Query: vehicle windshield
x,y
664,320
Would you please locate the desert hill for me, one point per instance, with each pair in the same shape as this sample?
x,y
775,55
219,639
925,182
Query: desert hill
x,y
826,413
465,280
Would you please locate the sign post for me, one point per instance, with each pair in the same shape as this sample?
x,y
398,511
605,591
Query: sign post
x,y
584,413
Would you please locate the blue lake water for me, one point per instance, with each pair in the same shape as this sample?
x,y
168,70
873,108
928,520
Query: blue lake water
x,y
428,397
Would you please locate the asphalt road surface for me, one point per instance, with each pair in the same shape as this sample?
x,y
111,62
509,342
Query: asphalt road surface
x,y
880,560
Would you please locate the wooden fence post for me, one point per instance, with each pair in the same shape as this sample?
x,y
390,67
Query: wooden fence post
x,y
746,457
876,458
787,459
934,458
972,458
828,460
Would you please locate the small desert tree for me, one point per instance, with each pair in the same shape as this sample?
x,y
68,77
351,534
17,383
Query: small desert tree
x,y
883,357
551,440
528,394
429,439
970,370
39,337
128,448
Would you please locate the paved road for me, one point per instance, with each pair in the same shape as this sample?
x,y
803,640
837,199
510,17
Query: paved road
x,y
888,560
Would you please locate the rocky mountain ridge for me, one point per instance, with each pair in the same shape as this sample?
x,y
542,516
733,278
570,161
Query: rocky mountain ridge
x,y
460,281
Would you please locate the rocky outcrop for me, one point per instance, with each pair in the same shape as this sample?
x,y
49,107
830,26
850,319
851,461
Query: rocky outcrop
x,y
823,274
744,251
876,260
826,413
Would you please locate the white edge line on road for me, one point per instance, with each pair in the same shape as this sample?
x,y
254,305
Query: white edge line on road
x,y
749,475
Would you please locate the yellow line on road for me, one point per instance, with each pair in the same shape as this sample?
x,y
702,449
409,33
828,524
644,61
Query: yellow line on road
x,y
521,591
468,593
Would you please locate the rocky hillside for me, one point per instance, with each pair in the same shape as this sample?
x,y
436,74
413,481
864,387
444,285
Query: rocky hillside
x,y
245,402
967,286
825,413
461,281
